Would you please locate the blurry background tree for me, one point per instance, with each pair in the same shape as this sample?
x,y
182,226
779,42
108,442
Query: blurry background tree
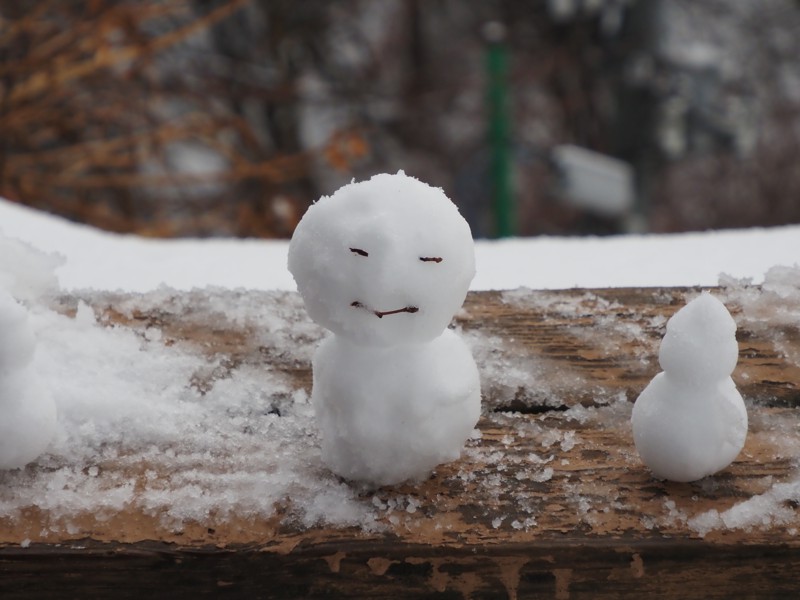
x,y
227,117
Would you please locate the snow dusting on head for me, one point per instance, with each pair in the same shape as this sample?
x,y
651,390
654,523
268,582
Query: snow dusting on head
x,y
383,261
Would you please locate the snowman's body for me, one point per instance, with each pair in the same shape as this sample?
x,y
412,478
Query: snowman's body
x,y
384,264
691,421
700,429
395,420
27,410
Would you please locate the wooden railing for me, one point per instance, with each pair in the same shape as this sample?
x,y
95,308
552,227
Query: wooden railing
x,y
550,501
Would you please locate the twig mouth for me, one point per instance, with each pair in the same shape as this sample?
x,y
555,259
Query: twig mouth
x,y
382,313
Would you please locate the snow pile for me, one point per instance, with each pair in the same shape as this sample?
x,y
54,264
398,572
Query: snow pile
x,y
384,264
772,508
27,411
150,424
25,272
95,259
99,260
656,260
772,310
690,421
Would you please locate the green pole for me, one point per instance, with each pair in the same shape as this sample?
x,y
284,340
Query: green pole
x,y
499,130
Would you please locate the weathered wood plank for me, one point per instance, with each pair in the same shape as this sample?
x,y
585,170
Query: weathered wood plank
x,y
551,500
392,570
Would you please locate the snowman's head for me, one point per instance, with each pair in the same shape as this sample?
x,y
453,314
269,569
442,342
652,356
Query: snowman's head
x,y
383,262
700,343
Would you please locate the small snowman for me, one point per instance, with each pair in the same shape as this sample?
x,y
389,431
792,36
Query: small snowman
x,y
384,264
690,421
27,411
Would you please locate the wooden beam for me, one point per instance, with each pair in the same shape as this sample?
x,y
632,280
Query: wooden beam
x,y
560,373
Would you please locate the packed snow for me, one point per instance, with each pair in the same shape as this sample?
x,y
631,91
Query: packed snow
x,y
383,261
690,421
92,259
385,264
27,410
163,428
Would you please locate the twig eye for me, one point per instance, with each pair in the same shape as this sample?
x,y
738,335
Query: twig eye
x,y
359,251
436,259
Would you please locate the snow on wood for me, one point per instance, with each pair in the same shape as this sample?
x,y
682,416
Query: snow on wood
x,y
184,425
184,419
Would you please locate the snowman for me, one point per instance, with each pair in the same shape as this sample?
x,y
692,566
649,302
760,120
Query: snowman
x,y
690,421
27,411
384,264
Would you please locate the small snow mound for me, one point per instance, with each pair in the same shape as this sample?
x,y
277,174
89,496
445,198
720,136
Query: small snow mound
x,y
27,411
783,281
773,507
17,342
25,272
156,426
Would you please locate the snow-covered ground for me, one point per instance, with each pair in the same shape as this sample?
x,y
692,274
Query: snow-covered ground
x,y
101,260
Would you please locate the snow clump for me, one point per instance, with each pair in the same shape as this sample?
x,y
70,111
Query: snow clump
x,y
27,410
385,264
690,421
26,272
